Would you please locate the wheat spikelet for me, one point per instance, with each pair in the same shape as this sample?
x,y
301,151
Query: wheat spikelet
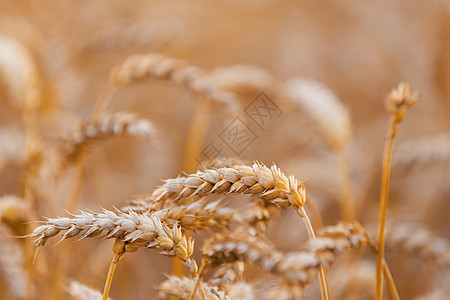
x,y
153,65
82,292
420,242
325,108
181,288
268,183
12,263
18,70
135,230
107,125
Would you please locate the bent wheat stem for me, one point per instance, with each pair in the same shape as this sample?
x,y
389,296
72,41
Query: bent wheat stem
x,y
119,250
323,280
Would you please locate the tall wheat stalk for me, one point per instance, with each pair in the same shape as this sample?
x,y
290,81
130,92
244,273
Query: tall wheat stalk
x,y
398,101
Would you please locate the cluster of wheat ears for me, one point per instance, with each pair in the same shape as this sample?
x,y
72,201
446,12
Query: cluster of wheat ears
x,y
191,207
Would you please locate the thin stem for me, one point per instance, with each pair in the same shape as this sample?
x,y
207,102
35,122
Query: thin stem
x,y
387,273
323,280
384,198
198,283
112,268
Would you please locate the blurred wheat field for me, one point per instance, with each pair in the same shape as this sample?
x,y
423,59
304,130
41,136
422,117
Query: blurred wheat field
x,y
256,150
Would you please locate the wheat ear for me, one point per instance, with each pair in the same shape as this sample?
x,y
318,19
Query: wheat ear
x,y
333,120
397,103
139,67
106,125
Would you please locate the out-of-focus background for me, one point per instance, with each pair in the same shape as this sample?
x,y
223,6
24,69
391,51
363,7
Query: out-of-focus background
x,y
358,49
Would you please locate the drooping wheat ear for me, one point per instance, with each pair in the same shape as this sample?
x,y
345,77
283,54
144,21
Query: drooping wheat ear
x,y
83,292
267,183
296,267
246,80
397,103
107,125
138,67
419,241
333,120
12,258
417,152
18,70
181,288
136,231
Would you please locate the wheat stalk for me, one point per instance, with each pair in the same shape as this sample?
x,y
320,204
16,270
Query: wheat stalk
x,y
397,103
